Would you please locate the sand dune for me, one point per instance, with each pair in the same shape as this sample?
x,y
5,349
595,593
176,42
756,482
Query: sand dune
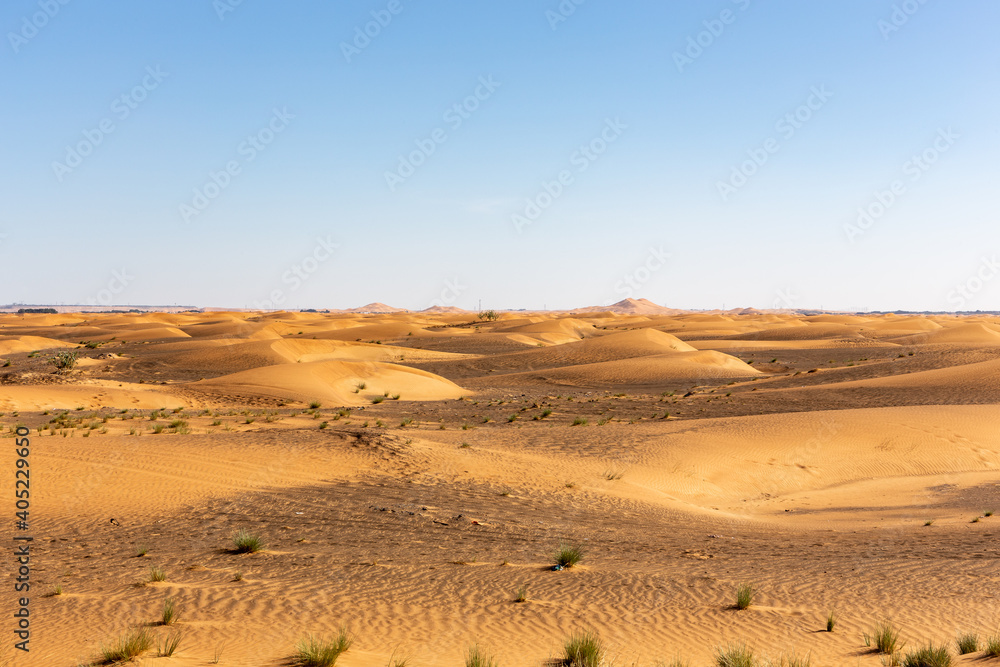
x,y
30,343
233,329
734,345
334,382
980,378
652,370
904,324
373,332
807,332
568,326
751,463
858,473
609,347
236,354
972,334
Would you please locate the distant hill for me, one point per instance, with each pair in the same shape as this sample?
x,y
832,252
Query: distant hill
x,y
631,307
451,310
376,307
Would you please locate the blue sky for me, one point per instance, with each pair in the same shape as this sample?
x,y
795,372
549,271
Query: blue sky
x,y
711,153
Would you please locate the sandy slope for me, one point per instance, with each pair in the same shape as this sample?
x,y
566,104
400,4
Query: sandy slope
x,y
15,344
335,382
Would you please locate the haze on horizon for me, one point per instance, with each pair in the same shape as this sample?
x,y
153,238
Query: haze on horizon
x,y
556,154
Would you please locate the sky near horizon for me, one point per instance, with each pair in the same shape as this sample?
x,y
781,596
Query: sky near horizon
x,y
519,154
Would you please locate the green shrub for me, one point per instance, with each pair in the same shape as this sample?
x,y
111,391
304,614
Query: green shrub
x,y
169,645
157,574
992,647
884,637
967,643
64,360
130,645
735,655
584,649
928,656
169,615
246,542
316,652
745,594
479,657
568,556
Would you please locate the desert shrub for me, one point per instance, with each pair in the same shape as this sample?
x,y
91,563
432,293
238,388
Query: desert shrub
x,y
64,360
568,556
317,652
884,637
246,542
928,656
968,643
735,655
479,657
169,615
584,649
169,645
745,594
130,645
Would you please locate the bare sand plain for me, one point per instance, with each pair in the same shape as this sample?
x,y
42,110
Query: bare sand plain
x,y
409,472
